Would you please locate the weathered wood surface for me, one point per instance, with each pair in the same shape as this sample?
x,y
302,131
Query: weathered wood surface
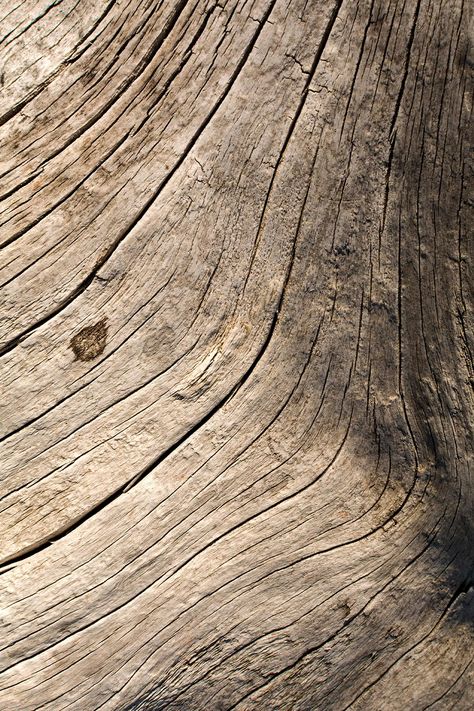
x,y
236,369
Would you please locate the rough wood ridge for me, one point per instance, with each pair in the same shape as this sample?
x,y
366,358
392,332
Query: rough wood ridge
x,y
236,359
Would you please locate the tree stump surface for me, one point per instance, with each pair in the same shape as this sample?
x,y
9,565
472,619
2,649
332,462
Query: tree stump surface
x,y
236,355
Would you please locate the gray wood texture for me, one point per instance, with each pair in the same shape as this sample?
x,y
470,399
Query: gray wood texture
x,y
236,355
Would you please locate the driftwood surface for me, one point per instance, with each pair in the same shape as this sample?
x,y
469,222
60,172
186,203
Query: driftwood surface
x,y
236,358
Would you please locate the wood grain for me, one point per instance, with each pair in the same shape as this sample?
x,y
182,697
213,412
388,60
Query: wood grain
x,y
236,355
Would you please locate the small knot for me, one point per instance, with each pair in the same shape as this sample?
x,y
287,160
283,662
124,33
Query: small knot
x,y
90,342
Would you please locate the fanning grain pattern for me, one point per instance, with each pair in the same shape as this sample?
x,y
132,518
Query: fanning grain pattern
x,y
236,355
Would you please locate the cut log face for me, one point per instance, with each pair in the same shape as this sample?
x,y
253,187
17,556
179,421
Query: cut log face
x,y
236,355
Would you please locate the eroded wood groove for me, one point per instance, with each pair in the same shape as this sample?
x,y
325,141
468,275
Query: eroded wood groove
x,y
236,355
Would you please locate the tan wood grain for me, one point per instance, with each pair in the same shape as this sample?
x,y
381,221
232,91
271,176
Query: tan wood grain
x,y
236,355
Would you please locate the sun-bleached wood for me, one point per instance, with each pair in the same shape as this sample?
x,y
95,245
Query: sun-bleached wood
x,y
236,355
